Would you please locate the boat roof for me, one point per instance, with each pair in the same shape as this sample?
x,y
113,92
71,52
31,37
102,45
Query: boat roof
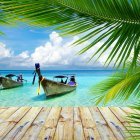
x,y
60,76
10,75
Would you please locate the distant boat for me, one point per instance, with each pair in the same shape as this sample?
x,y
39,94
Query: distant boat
x,y
52,87
7,81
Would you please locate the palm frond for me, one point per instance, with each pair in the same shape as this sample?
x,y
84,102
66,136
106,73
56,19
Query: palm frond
x,y
121,86
116,22
134,120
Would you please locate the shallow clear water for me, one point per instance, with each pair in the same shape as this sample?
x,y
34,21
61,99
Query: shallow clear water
x,y
27,94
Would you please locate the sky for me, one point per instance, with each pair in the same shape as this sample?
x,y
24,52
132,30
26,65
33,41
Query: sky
x,y
21,47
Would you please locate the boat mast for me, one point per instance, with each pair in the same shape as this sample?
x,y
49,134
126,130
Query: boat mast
x,y
37,67
37,70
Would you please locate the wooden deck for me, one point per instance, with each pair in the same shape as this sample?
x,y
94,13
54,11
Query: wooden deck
x,y
67,123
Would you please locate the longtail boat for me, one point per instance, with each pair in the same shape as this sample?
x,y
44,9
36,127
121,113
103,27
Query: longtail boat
x,y
7,81
52,87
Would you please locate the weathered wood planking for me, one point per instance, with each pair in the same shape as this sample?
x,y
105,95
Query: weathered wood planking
x,y
22,126
12,121
66,123
36,126
48,130
102,126
78,127
4,115
3,109
115,125
90,128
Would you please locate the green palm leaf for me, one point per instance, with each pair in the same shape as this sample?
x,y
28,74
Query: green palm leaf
x,y
134,120
116,22
121,85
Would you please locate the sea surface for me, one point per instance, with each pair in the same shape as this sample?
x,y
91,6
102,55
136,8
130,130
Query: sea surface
x,y
26,95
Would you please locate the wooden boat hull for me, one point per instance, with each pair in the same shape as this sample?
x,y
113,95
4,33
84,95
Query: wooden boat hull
x,y
6,83
55,88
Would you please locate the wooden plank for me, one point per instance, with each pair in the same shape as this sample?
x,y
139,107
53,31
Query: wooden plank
x,y
90,128
70,123
64,129
36,126
2,110
48,129
121,115
22,126
12,121
128,110
78,127
4,107
7,113
102,126
115,125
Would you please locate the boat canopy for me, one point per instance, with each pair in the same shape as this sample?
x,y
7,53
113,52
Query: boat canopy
x,y
60,76
10,75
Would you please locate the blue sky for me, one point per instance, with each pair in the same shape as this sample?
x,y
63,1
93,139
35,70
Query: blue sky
x,y
23,37
23,46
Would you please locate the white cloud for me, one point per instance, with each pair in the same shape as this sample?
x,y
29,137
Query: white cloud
x,y
55,53
55,39
4,51
24,54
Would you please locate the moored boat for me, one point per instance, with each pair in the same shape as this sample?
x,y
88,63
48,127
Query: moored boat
x,y
52,87
7,81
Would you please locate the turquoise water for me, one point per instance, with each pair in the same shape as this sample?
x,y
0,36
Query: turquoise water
x,y
27,94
